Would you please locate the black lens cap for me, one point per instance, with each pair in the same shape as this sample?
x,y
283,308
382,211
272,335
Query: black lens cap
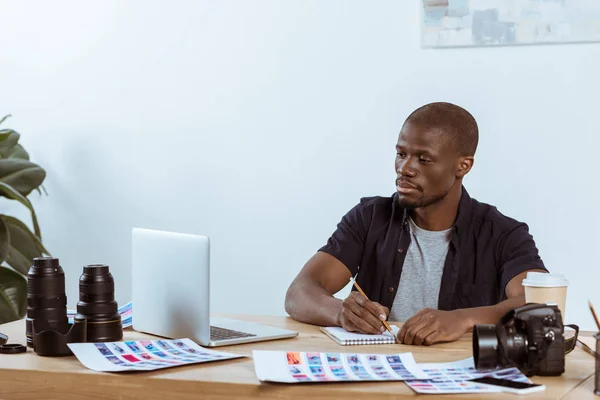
x,y
12,348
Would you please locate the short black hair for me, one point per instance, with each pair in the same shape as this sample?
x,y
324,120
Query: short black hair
x,y
452,120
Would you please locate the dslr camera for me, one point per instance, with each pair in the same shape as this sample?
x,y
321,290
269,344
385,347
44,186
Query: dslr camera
x,y
529,337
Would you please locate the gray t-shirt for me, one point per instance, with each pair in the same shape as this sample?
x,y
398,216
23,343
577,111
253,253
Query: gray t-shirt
x,y
422,272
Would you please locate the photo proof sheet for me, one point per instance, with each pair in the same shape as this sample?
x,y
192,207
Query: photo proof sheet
x,y
296,367
452,377
438,378
144,355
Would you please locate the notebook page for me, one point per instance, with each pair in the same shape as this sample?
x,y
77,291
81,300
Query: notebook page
x,y
350,337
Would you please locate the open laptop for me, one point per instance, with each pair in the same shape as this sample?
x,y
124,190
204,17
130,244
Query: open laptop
x,y
171,292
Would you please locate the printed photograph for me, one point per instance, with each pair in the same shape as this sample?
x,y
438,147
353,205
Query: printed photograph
x,y
313,358
176,352
130,357
148,345
185,347
133,346
381,372
400,368
360,372
295,370
189,350
117,349
293,358
301,378
115,360
353,359
333,358
338,370
164,344
316,369
394,359
425,387
103,349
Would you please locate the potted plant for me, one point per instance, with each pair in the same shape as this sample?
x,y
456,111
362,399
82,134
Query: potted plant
x,y
18,244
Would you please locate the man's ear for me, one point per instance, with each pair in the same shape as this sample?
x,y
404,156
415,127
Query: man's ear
x,y
464,166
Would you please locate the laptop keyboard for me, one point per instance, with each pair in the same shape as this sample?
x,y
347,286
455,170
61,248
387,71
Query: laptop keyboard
x,y
217,333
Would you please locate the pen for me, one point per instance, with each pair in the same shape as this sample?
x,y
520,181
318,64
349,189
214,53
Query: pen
x,y
594,314
363,293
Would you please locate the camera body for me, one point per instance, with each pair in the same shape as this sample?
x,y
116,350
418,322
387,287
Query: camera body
x,y
528,337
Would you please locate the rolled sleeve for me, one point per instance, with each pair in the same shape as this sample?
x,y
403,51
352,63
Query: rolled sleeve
x,y
518,254
347,241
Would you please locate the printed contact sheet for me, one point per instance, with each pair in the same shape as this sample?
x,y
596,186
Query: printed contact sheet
x,y
452,377
297,367
144,355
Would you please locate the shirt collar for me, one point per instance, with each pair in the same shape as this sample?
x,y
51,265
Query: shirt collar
x,y
464,210
462,217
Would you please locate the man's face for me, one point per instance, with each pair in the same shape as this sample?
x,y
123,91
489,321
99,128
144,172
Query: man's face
x,y
426,165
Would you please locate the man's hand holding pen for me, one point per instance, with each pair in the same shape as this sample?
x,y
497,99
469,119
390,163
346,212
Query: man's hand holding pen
x,y
360,314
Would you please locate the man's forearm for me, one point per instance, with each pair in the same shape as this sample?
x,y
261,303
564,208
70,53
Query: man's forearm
x,y
313,305
491,314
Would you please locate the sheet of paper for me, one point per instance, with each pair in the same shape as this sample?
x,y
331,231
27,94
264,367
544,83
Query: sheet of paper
x,y
144,355
296,367
351,338
124,311
452,377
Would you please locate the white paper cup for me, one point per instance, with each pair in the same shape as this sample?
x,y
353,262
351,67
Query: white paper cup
x,y
542,287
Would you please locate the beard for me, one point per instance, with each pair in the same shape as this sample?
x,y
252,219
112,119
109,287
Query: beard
x,y
420,200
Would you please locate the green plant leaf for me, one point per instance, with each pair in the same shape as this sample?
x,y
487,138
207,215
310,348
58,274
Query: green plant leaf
x,y
39,190
9,220
13,295
11,193
4,241
4,134
23,175
24,246
8,140
36,239
4,118
18,152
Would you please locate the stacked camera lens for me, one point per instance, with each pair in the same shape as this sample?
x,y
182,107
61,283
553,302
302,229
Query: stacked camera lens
x,y
97,304
46,299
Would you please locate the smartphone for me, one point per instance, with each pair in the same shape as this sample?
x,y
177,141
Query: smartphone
x,y
510,386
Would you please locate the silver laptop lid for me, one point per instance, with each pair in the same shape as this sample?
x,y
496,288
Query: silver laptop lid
x,y
171,284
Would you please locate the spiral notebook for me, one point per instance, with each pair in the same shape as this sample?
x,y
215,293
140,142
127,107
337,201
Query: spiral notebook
x,y
345,338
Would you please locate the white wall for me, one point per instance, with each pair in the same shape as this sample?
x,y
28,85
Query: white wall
x,y
260,123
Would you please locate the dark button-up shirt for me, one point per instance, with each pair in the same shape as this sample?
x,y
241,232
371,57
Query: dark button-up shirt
x,y
487,249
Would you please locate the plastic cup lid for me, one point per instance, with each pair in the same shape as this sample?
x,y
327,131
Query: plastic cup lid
x,y
542,279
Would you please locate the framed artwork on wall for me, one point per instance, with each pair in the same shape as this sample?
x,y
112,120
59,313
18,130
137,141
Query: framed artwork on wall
x,y
458,23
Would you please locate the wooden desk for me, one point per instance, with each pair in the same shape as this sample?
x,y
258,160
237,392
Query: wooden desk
x,y
28,376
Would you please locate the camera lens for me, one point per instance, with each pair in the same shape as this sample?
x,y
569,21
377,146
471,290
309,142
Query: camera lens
x,y
97,304
515,347
485,346
46,299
